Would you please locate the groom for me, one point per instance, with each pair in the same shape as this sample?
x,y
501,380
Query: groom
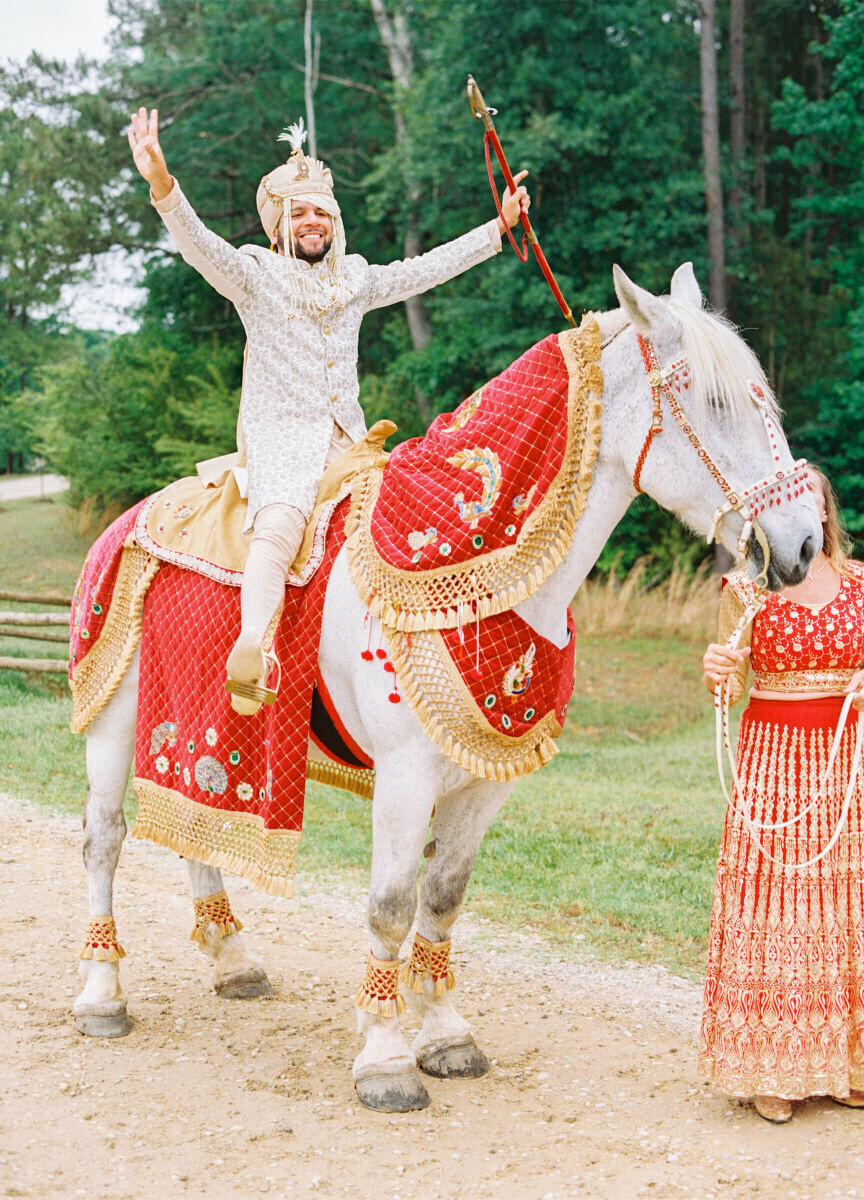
x,y
301,308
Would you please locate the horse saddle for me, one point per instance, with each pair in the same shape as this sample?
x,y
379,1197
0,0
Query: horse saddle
x,y
197,521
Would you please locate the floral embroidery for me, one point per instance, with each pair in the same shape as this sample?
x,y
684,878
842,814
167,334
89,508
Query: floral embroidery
x,y
161,764
445,548
210,775
185,510
419,539
164,734
510,530
487,465
211,737
187,776
518,677
244,791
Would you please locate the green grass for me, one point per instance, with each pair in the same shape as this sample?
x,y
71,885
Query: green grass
x,y
611,847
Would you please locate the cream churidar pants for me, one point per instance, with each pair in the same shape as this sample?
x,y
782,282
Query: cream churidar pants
x,y
276,539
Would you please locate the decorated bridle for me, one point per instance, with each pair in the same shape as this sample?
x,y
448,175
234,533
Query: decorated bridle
x,y
786,483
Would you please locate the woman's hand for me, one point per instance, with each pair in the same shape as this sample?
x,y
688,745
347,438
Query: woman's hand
x,y
514,203
856,686
143,135
719,662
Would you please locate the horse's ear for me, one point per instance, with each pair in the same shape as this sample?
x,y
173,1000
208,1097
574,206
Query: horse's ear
x,y
684,287
644,310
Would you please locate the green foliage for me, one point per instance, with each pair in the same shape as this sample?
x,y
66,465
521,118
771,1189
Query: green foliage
x,y
826,146
600,101
121,422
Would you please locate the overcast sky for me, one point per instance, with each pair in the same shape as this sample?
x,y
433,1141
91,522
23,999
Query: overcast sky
x,y
64,29
56,28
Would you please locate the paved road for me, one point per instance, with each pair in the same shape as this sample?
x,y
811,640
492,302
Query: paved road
x,y
21,486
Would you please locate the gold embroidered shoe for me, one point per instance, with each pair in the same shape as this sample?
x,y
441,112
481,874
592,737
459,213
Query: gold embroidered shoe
x,y
853,1100
249,668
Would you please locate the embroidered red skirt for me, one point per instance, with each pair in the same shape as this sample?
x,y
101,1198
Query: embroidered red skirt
x,y
783,1012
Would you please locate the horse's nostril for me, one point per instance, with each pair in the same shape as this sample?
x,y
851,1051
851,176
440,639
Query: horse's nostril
x,y
808,552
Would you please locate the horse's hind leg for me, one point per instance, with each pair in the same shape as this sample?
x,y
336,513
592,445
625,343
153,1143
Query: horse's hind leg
x,y
100,1009
445,1046
217,932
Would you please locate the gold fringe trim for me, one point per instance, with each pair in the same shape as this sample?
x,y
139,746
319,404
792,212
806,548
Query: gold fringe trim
x,y
429,960
96,678
214,910
231,841
359,780
451,718
379,992
100,941
415,601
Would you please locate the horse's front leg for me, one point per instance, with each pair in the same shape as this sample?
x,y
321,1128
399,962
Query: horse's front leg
x,y
238,976
100,1009
445,1046
407,784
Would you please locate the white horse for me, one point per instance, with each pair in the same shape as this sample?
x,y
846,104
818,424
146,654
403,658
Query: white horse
x,y
413,777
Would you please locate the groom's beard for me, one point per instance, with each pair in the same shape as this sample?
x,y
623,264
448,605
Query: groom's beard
x,y
315,256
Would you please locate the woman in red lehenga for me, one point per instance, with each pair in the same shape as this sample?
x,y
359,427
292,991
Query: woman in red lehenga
x,y
783,1014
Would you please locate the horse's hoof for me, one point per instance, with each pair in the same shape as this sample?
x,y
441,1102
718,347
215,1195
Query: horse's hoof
x,y
106,1020
463,1060
392,1093
245,985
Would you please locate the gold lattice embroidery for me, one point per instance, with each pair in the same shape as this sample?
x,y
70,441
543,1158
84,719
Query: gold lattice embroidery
x,y
231,841
216,910
452,719
96,678
829,680
429,960
100,941
503,578
379,991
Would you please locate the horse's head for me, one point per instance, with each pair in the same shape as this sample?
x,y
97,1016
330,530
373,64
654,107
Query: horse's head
x,y
696,427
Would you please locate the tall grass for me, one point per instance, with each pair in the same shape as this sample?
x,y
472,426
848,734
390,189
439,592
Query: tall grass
x,y
683,605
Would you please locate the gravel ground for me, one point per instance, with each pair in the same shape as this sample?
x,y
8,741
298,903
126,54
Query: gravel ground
x,y
593,1090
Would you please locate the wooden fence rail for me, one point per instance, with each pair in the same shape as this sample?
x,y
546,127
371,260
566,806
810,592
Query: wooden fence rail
x,y
58,665
52,598
25,618
36,635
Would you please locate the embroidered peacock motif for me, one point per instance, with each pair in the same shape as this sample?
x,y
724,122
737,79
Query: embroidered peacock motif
x,y
488,466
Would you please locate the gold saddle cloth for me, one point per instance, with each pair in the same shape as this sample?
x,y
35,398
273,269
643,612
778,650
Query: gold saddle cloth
x,y
198,521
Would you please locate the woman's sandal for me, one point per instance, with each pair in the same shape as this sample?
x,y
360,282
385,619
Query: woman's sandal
x,y
853,1100
247,697
773,1109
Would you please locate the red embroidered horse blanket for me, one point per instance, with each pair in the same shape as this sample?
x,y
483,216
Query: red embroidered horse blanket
x,y
471,519
225,789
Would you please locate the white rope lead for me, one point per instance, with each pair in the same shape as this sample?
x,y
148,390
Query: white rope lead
x,y
722,741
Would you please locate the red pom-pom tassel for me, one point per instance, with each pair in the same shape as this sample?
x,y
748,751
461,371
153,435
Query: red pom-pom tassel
x,y
367,655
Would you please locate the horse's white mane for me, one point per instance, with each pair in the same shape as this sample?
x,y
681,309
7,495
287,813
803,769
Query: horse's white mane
x,y
721,363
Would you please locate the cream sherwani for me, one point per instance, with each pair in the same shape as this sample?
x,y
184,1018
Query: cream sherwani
x,y
301,371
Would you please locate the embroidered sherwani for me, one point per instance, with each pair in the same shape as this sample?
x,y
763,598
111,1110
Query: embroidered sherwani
x,y
301,371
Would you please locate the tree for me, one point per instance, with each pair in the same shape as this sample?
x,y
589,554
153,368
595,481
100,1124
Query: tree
x,y
711,156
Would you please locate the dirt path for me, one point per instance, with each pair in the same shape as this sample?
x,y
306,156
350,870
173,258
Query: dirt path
x,y
593,1091
25,486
